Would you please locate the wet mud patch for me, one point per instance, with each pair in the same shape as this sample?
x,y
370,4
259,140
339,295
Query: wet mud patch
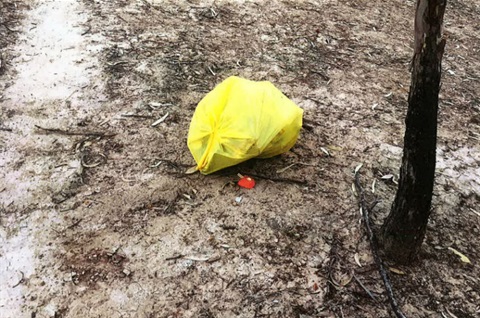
x,y
93,266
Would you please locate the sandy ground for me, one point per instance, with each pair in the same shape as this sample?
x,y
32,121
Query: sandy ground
x,y
98,218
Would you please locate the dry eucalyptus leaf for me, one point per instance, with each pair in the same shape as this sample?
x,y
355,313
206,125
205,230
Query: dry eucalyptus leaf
x,y
357,168
463,258
325,151
396,271
161,120
191,170
334,148
357,259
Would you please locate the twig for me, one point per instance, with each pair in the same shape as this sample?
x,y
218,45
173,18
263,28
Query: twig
x,y
76,133
77,222
293,164
147,3
228,227
333,257
369,293
211,71
66,99
137,116
118,16
6,27
92,165
176,165
116,251
322,75
6,129
374,247
174,257
161,120
87,30
20,281
288,180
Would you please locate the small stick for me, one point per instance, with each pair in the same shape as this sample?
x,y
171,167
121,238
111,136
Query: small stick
x,y
77,222
20,281
6,129
211,71
87,31
374,247
66,99
369,293
161,120
288,180
6,27
174,257
147,3
76,133
137,116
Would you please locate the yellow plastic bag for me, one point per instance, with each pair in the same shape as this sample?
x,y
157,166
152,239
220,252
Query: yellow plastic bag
x,y
239,120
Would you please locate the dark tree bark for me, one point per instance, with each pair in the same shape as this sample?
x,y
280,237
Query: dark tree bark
x,y
404,229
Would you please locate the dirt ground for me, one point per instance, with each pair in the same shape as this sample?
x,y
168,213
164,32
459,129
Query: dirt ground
x,y
98,218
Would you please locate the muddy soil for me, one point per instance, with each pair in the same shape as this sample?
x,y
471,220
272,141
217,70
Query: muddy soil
x,y
99,219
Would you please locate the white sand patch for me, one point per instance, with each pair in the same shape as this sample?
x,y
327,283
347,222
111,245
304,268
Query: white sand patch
x,y
54,63
460,168
51,51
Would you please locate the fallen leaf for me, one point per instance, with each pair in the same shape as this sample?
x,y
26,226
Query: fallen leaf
x,y
357,168
345,281
373,185
157,105
357,259
202,258
463,258
191,170
161,120
396,271
325,151
387,177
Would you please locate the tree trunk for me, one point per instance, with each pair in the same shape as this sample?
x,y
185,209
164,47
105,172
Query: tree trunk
x,y
404,229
